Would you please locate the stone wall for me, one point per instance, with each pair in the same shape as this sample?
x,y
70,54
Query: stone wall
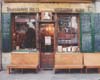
x,y
97,6
6,58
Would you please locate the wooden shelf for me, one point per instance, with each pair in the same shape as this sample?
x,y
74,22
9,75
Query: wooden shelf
x,y
47,21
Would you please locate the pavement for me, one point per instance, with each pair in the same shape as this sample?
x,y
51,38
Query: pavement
x,y
48,75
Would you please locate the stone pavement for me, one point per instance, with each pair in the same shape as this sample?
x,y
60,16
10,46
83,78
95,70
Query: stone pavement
x,y
49,75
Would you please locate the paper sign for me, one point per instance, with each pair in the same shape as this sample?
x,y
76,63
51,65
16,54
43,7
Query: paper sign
x,y
59,48
47,40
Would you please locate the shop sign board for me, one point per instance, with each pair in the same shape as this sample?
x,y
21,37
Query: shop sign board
x,y
38,1
39,7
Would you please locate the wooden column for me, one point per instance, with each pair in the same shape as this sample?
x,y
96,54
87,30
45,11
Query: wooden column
x,y
55,36
78,22
37,31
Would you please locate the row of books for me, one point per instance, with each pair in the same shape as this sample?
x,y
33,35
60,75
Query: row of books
x,y
68,49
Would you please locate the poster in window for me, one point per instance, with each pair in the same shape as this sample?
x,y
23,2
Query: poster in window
x,y
47,40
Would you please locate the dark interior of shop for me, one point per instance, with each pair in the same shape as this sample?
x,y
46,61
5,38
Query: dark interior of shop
x,y
23,31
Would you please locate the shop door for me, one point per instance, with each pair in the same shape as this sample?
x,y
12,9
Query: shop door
x,y
46,46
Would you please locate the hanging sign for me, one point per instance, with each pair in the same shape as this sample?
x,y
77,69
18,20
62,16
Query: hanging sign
x,y
47,40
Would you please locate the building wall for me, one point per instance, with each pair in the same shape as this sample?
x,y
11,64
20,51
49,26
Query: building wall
x,y
0,36
97,6
5,60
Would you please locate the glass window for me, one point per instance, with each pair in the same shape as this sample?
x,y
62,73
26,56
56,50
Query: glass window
x,y
86,33
86,42
97,42
67,32
24,31
6,32
97,32
97,23
85,23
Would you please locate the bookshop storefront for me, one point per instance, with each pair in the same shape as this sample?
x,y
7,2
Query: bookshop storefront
x,y
46,29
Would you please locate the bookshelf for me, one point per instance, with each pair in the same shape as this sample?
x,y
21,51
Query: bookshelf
x,y
67,33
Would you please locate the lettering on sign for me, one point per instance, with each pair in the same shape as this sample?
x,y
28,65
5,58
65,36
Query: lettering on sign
x,y
68,10
22,9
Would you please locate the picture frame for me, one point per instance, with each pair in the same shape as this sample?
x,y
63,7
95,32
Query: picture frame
x,y
46,15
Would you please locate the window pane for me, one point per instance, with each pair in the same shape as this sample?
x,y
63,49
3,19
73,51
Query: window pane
x,y
24,31
6,45
97,23
64,21
97,42
85,23
86,43
74,40
6,33
67,33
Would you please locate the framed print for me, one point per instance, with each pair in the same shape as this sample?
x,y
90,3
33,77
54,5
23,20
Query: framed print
x,y
46,15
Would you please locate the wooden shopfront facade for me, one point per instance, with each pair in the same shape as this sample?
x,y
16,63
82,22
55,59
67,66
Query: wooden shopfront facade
x,y
47,28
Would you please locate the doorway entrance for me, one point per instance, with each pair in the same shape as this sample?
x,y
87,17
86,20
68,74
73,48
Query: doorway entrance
x,y
46,45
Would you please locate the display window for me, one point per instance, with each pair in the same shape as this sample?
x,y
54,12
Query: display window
x,y
24,31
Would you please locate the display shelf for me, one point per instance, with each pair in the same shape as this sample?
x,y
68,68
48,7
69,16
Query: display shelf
x,y
67,33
